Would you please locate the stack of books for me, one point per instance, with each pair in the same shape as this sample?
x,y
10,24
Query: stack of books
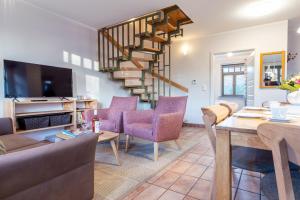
x,y
66,134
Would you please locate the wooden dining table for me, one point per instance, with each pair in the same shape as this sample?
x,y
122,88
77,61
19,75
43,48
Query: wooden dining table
x,y
239,131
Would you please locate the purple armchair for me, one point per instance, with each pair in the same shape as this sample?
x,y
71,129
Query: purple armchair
x,y
112,117
159,125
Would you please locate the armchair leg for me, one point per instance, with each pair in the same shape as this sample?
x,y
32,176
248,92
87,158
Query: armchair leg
x,y
118,142
178,145
127,143
156,146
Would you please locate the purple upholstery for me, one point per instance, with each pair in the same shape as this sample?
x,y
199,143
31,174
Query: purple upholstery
x,y
112,117
162,124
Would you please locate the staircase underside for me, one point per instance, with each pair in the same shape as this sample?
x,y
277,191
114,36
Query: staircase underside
x,y
137,52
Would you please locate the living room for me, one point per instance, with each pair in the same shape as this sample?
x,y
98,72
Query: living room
x,y
137,74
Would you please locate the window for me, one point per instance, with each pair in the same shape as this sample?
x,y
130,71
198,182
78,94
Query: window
x,y
66,56
87,63
76,60
233,80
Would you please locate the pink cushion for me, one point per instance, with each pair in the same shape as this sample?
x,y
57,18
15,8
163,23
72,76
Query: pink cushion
x,y
141,130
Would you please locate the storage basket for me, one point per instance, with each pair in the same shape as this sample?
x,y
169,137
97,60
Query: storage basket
x,y
56,120
27,123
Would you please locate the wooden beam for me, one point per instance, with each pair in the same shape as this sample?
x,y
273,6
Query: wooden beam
x,y
141,67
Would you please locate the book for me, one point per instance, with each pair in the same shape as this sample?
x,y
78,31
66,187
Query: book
x,y
63,136
66,134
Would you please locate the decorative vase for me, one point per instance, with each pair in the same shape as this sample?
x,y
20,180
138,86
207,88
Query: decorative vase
x,y
294,97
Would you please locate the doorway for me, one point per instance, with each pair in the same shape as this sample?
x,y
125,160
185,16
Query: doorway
x,y
232,77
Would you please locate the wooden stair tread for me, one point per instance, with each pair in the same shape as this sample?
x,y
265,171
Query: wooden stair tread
x,y
127,74
143,59
157,38
150,37
144,49
129,69
175,14
150,49
167,27
125,59
160,26
133,78
138,91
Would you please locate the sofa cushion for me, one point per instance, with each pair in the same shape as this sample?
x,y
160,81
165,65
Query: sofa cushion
x,y
2,148
141,130
42,143
13,141
42,172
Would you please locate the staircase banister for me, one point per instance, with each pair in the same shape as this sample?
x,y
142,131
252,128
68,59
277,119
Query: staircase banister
x,y
170,82
152,14
140,66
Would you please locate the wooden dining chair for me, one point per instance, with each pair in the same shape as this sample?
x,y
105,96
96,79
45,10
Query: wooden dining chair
x,y
212,115
232,106
283,140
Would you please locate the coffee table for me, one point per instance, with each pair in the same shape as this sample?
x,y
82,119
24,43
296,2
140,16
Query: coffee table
x,y
104,136
113,138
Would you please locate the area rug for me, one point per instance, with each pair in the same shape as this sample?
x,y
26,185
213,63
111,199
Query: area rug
x,y
112,181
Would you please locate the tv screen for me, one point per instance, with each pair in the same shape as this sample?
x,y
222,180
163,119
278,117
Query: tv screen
x,y
33,80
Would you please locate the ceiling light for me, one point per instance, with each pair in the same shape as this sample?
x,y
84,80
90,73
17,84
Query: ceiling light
x,y
185,49
229,54
298,30
261,8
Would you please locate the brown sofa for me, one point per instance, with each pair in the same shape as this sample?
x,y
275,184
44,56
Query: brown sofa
x,y
33,170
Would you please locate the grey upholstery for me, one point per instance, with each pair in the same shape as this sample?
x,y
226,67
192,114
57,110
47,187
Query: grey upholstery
x,y
6,126
60,171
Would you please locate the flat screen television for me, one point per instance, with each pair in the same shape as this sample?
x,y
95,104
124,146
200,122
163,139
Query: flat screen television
x,y
33,80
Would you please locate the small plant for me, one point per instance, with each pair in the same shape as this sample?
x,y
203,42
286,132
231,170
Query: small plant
x,y
292,84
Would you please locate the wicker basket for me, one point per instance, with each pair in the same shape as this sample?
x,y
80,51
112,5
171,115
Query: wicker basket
x,y
56,120
28,123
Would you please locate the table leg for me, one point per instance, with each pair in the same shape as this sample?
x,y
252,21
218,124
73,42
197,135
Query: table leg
x,y
223,165
114,148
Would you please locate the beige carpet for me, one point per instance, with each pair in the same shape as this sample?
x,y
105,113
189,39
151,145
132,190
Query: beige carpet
x,y
113,182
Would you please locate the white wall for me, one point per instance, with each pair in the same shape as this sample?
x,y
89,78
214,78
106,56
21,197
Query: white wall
x,y
294,46
31,34
196,64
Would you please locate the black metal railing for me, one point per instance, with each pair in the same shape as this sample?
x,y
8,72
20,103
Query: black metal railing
x,y
116,44
116,40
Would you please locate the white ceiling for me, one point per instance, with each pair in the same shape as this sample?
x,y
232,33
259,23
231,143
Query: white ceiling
x,y
209,16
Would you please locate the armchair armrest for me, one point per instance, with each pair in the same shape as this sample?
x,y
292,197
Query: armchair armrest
x,y
167,126
116,116
141,116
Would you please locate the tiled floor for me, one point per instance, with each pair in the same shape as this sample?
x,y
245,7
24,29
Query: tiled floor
x,y
113,181
189,178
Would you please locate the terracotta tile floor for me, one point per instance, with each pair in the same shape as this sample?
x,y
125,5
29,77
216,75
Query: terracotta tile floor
x,y
189,178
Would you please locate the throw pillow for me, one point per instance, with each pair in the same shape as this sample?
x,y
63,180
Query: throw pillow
x,y
2,148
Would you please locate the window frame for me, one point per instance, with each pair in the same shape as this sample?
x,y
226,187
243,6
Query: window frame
x,y
234,74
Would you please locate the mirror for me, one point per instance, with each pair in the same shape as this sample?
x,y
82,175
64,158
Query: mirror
x,y
272,66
